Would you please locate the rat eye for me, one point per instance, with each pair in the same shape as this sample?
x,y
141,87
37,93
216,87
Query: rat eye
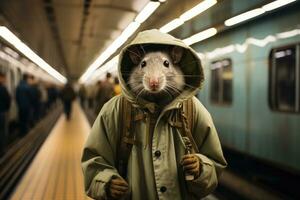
x,y
166,63
143,64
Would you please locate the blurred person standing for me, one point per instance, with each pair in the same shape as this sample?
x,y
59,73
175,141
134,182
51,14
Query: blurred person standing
x,y
105,92
94,95
117,87
52,94
36,99
97,96
67,96
24,103
44,98
82,95
5,101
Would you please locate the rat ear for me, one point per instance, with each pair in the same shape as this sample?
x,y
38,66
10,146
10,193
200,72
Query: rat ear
x,y
176,53
135,54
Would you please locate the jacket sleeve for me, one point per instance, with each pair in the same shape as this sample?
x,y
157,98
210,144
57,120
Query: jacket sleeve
x,y
210,152
98,157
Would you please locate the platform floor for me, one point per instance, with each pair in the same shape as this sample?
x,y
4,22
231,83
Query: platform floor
x,y
55,172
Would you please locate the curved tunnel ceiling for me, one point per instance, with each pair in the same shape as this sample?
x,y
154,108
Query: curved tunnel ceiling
x,y
70,34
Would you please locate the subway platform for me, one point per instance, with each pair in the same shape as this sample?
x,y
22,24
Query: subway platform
x,y
55,172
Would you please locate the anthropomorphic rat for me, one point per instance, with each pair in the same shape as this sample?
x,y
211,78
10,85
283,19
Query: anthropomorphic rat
x,y
157,73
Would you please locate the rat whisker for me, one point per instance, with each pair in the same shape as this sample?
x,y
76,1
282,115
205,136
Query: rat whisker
x,y
134,53
136,77
133,82
190,86
175,90
167,92
185,75
143,49
137,96
135,88
173,86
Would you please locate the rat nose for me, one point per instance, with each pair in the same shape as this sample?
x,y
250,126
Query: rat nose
x,y
154,82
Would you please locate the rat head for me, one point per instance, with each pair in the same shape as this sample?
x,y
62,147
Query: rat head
x,y
156,72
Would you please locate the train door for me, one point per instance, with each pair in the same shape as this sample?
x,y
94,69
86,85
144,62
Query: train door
x,y
221,101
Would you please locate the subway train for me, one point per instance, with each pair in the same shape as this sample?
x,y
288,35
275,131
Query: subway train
x,y
252,87
14,65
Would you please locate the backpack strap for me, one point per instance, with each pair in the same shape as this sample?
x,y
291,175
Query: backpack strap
x,y
188,109
187,118
126,140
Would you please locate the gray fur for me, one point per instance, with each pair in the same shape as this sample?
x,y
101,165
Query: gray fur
x,y
170,79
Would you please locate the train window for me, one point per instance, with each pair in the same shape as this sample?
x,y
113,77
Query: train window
x,y
284,79
221,82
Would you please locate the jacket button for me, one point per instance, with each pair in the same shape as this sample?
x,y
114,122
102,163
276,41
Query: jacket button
x,y
163,189
157,153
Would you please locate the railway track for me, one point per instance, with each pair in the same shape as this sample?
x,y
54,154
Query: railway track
x,y
19,156
251,178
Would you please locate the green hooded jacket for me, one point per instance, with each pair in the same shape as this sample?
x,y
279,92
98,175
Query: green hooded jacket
x,y
147,173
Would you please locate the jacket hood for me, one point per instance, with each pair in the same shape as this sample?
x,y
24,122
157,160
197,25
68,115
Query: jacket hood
x,y
190,65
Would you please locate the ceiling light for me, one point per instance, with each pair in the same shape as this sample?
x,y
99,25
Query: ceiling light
x,y
289,34
258,11
146,12
200,36
128,31
276,4
125,35
244,16
201,7
110,66
7,35
171,25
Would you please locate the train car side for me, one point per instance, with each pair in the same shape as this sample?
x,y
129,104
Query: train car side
x,y
248,124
